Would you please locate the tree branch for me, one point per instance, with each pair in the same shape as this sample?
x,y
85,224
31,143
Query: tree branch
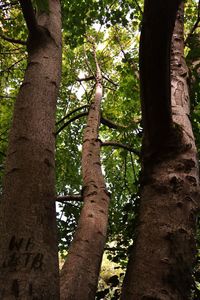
x,y
111,124
69,198
127,59
11,40
139,8
70,113
120,145
110,80
104,121
4,6
12,66
29,15
85,79
70,121
195,26
8,97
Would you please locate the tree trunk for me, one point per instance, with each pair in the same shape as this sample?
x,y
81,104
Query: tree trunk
x,y
79,276
160,266
28,244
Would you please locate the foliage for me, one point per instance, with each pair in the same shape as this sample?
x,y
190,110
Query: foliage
x,y
114,26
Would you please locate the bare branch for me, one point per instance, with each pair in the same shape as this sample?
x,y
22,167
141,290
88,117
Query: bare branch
x,y
139,8
70,121
104,121
11,40
85,79
70,113
110,80
12,66
120,145
69,198
7,97
111,124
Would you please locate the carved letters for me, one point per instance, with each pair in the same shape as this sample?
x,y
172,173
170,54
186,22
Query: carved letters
x,y
22,255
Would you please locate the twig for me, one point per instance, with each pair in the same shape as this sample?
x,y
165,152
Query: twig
x,y
70,113
70,121
139,8
111,124
110,80
7,97
85,79
8,69
120,145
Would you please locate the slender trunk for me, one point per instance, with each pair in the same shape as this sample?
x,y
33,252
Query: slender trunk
x,y
79,276
160,266
28,244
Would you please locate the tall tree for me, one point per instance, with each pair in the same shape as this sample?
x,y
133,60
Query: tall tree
x,y
79,276
160,266
28,256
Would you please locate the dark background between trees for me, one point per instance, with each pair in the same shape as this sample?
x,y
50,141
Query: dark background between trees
x,y
104,35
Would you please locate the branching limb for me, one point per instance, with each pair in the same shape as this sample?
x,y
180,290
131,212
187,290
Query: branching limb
x,y
12,66
104,121
85,79
111,124
139,8
70,121
110,80
11,40
70,113
67,198
120,145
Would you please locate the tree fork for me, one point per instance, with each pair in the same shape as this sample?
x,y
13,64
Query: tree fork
x,y
164,250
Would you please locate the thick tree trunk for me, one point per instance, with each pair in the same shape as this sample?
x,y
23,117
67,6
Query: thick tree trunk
x,y
155,43
79,276
160,266
28,243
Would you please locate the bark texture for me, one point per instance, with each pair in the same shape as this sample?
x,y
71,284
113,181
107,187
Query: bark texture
x,y
28,243
160,266
79,276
